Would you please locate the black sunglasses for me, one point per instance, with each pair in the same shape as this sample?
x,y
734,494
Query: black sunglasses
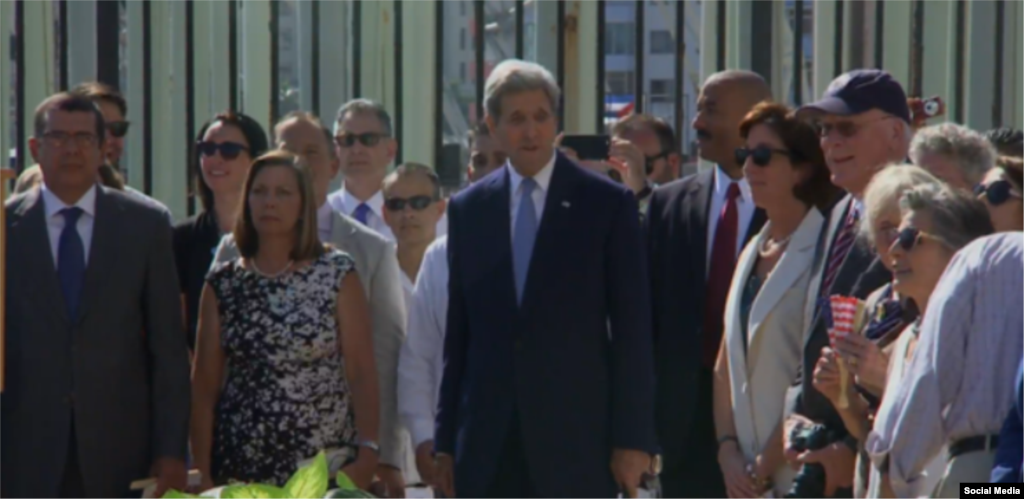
x,y
118,128
650,160
368,139
997,192
228,150
761,155
417,203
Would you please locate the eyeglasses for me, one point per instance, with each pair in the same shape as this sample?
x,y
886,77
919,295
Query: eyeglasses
x,y
228,150
118,128
846,129
61,139
910,237
368,139
997,192
761,155
417,203
650,160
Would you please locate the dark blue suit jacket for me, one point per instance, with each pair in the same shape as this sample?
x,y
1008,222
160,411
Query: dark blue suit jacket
x,y
574,362
1010,453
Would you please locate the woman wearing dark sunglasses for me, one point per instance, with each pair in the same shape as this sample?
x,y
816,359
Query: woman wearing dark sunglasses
x,y
937,221
224,148
765,316
1000,189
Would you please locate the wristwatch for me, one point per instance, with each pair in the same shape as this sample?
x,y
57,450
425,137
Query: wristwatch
x,y
370,444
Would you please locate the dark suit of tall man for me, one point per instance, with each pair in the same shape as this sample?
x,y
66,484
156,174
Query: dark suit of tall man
x,y
548,388
677,231
106,389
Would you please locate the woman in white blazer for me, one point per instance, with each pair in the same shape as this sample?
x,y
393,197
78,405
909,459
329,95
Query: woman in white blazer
x,y
766,315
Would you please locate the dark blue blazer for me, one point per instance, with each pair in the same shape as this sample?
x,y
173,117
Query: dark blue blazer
x,y
1010,453
575,361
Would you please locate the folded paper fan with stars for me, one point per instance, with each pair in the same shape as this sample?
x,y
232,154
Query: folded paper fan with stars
x,y
844,316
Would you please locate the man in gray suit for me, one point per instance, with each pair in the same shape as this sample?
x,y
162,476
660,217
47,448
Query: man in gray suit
x,y
98,387
377,266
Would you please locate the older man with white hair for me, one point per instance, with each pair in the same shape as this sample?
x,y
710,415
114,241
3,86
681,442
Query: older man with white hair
x,y
548,352
954,153
863,121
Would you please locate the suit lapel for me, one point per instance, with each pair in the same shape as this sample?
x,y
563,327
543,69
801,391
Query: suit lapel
x,y
797,259
30,225
555,221
102,250
492,230
696,206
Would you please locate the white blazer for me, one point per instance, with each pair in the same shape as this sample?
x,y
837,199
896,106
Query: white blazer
x,y
778,321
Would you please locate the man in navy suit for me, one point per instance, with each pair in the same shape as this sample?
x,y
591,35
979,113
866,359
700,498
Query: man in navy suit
x,y
548,375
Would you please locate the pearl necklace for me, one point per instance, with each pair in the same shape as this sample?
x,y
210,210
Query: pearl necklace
x,y
270,276
762,248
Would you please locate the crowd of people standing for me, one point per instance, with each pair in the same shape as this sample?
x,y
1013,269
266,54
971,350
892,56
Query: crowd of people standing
x,y
559,328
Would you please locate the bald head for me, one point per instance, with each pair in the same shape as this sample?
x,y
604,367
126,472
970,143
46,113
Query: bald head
x,y
724,100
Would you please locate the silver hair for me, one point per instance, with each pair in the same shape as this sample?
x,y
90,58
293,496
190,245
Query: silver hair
x,y
363,106
956,218
514,76
884,192
972,153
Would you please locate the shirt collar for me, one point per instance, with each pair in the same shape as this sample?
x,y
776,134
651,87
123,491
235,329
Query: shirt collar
x,y
543,177
722,181
350,202
53,204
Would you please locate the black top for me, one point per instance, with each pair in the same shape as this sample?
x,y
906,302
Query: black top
x,y
195,241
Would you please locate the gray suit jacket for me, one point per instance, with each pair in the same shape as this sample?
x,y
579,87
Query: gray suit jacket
x,y
377,267
119,371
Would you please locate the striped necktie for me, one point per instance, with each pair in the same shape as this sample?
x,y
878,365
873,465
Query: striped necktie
x,y
843,243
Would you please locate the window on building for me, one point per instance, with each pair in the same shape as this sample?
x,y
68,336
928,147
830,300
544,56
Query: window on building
x,y
662,91
619,82
618,38
662,42
462,39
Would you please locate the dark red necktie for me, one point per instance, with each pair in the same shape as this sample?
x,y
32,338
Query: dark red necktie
x,y
723,262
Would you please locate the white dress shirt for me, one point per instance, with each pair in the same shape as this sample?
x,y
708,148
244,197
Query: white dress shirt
x,y
344,202
55,220
421,361
744,203
324,222
543,179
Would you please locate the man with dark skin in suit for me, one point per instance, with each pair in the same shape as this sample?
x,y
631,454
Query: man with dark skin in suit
x,y
690,273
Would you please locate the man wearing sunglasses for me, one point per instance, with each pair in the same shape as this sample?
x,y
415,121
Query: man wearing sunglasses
x,y
863,122
114,109
412,208
365,146
484,154
656,141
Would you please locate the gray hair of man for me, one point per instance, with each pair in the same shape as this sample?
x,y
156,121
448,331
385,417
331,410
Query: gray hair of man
x,y
957,218
363,106
884,192
513,76
969,150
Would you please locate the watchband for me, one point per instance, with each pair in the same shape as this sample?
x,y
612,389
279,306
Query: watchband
x,y
370,444
728,438
645,192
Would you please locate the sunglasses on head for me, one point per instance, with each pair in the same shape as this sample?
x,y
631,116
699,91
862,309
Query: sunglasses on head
x,y
228,150
760,155
118,128
417,203
997,192
368,139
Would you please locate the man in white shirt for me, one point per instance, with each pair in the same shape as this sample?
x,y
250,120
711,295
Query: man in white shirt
x,y
365,146
412,208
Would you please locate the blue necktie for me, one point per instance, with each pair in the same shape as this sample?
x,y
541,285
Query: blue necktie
x,y
361,213
523,236
71,261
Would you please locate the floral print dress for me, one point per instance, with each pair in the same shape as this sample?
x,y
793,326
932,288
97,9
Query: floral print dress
x,y
285,397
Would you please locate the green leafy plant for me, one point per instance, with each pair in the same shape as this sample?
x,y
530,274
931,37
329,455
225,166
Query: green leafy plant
x,y
308,482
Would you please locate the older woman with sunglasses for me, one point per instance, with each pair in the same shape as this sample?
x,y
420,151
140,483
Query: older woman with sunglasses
x,y
889,313
765,314
225,146
936,222
1001,191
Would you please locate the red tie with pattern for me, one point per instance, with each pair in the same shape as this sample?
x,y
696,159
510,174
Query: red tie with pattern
x,y
723,262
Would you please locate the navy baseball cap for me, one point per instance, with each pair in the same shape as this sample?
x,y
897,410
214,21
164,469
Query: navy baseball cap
x,y
861,90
